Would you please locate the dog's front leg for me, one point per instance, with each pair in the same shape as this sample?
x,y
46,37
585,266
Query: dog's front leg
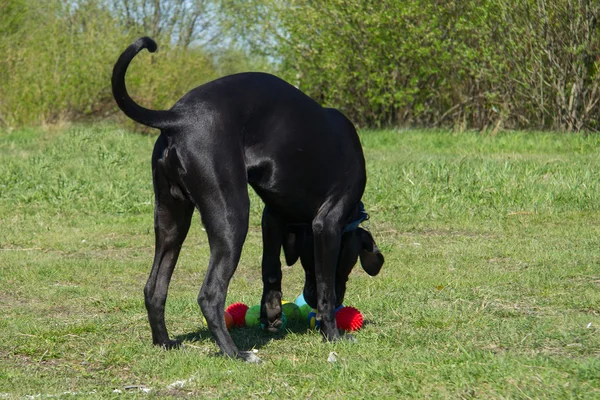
x,y
327,240
273,231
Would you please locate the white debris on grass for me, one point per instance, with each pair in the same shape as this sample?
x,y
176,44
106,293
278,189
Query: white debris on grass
x,y
180,384
177,384
333,357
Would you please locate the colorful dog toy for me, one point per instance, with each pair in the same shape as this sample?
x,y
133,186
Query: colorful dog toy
x,y
238,312
291,311
348,319
305,309
253,316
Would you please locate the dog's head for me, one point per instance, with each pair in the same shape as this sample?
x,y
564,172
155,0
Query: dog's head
x,y
356,243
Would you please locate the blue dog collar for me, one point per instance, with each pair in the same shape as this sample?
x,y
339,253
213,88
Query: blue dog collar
x,y
363,217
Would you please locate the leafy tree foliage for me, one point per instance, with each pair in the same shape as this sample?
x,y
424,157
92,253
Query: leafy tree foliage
x,y
464,63
484,64
57,56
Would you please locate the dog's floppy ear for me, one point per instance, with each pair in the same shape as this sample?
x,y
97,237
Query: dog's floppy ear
x,y
371,258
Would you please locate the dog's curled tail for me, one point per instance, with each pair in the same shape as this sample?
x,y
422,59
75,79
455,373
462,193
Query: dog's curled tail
x,y
153,118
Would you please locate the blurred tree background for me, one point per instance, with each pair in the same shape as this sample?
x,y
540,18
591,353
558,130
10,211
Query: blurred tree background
x,y
57,55
465,64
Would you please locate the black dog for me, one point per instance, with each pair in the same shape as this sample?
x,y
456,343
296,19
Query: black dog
x,y
304,161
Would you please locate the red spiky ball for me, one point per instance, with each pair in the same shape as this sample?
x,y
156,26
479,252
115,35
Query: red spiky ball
x,y
349,319
238,312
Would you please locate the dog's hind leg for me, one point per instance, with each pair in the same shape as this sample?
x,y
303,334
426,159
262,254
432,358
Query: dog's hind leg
x,y
172,218
221,194
273,232
226,227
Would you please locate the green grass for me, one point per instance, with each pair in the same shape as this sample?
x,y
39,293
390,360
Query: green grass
x,y
491,287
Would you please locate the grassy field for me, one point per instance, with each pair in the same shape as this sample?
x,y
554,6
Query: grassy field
x,y
491,287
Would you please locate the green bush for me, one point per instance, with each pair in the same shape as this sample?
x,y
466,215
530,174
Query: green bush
x,y
485,64
58,57
57,62
466,63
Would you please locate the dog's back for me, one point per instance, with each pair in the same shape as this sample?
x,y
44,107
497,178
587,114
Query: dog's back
x,y
285,135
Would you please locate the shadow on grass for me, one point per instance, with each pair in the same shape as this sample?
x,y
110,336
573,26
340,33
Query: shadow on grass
x,y
246,338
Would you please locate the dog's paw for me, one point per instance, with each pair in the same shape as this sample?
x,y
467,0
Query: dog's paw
x,y
330,332
275,326
342,337
349,338
249,357
272,306
171,344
